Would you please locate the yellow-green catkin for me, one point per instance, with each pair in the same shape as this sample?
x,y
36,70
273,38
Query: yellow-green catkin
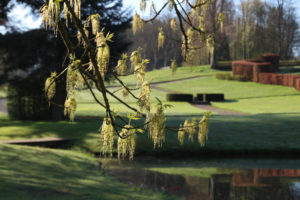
x,y
140,70
67,14
203,129
80,38
143,5
127,142
190,128
173,66
95,20
173,24
107,137
103,53
124,91
135,58
202,22
157,127
144,101
221,18
122,66
72,78
70,108
191,35
210,43
171,4
137,24
180,135
50,86
161,38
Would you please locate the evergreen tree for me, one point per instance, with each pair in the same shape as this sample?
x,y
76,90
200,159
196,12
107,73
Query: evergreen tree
x,y
37,53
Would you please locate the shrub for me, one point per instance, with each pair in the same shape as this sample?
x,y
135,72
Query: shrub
x,y
180,97
210,97
230,76
27,104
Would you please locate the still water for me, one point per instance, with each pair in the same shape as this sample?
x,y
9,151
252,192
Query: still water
x,y
214,179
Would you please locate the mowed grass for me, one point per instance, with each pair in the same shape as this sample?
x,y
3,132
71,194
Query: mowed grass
x,y
167,75
39,173
246,97
88,107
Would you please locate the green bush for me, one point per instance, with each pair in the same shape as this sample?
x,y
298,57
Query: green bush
x,y
180,97
230,76
27,104
208,97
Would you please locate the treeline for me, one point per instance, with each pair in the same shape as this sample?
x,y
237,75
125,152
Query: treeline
x,y
147,40
250,29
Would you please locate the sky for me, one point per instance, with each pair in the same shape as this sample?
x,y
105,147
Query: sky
x,y
159,3
21,16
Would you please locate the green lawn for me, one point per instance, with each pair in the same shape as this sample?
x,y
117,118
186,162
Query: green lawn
x,y
166,74
39,173
88,107
247,97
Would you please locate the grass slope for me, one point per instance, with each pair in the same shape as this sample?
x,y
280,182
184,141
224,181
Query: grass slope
x,y
36,173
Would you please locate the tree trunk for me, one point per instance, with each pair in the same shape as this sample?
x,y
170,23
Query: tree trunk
x,y
57,107
212,59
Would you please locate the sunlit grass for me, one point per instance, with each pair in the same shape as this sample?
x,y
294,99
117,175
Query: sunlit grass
x,y
243,96
88,107
166,74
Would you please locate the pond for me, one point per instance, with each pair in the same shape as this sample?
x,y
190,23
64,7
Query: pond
x,y
212,179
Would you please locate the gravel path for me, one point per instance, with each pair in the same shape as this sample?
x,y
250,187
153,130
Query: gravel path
x,y
220,111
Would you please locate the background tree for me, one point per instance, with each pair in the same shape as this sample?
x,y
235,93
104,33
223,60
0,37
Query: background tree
x,y
262,27
159,57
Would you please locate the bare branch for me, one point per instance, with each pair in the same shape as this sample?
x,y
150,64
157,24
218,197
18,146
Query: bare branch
x,y
156,14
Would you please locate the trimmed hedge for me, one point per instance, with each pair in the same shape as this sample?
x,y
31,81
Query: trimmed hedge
x,y
271,58
180,97
208,97
289,80
251,68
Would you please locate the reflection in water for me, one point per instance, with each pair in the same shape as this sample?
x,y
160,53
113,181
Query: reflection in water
x,y
254,184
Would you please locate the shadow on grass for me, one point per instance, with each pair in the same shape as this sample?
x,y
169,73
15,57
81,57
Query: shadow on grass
x,y
254,135
269,96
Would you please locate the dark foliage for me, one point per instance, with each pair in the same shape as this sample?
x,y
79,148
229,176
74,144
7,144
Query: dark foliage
x,y
180,97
